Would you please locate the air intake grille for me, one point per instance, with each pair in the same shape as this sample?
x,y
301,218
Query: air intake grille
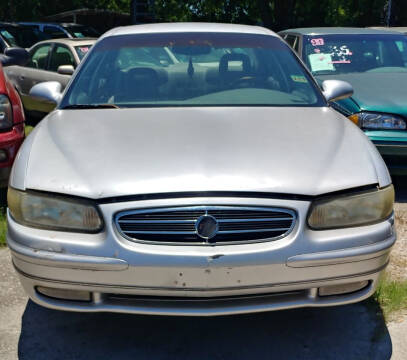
x,y
205,224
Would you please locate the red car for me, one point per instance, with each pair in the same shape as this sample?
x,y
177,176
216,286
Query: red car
x,y
11,115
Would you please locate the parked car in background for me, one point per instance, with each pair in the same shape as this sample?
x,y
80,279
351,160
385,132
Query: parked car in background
x,y
12,35
190,189
50,60
375,63
11,115
63,30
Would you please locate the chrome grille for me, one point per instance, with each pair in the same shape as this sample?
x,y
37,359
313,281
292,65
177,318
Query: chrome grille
x,y
178,225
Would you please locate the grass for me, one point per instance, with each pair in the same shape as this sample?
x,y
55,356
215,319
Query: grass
x,y
391,295
28,129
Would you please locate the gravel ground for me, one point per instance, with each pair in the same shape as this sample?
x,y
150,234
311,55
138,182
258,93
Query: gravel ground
x,y
398,264
357,331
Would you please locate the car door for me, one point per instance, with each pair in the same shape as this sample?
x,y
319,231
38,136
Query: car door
x,y
25,77
60,55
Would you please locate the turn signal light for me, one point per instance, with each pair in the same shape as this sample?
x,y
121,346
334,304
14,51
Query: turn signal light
x,y
354,118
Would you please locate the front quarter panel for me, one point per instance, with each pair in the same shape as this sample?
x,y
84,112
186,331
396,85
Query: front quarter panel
x,y
19,170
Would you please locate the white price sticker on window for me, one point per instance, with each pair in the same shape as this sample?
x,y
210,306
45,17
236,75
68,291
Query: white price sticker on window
x,y
321,62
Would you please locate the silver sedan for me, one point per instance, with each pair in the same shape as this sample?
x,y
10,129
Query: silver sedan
x,y
221,182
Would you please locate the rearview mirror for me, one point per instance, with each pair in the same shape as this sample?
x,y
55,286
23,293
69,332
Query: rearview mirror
x,y
191,50
65,70
14,56
49,91
335,90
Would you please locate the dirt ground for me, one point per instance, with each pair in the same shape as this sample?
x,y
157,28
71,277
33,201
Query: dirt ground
x,y
397,268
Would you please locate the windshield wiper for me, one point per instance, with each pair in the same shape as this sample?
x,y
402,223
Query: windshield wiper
x,y
91,106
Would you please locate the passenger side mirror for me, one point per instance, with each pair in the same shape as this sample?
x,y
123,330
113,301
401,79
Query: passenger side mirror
x,y
49,91
15,56
65,70
335,90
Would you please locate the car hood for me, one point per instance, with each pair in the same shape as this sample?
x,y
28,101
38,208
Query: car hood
x,y
116,152
382,92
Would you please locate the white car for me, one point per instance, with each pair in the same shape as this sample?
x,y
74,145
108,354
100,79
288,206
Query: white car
x,y
185,189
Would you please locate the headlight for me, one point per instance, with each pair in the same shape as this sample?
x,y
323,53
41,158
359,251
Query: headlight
x,y
53,212
6,113
378,121
352,210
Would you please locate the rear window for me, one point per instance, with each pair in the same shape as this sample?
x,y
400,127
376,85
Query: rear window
x,y
82,31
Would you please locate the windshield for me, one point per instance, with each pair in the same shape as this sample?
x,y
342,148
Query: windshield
x,y
20,35
79,31
341,54
170,70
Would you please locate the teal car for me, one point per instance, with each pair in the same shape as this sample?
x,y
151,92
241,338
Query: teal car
x,y
375,63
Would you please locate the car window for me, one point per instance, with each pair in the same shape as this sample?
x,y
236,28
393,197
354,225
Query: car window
x,y
82,50
61,55
11,40
290,39
215,70
53,32
402,47
339,54
39,57
80,31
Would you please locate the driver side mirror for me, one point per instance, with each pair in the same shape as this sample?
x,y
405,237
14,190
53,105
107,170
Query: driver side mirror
x,y
49,91
65,70
335,90
15,56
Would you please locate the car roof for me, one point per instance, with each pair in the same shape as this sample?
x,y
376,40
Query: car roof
x,y
3,23
188,27
392,28
69,41
339,30
49,23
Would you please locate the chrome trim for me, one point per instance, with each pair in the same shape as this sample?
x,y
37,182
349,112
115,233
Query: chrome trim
x,y
205,208
194,221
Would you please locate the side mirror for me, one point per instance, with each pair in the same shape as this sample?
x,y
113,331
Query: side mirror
x,y
49,91
335,90
15,56
65,70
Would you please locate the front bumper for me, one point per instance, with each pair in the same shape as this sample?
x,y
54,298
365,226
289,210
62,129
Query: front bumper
x,y
125,276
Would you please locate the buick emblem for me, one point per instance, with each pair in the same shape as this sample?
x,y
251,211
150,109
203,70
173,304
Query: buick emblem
x,y
206,227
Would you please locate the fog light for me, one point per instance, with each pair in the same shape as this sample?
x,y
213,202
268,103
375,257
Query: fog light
x,y
64,294
3,155
342,288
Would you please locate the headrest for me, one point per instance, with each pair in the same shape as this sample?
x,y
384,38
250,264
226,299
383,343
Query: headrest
x,y
225,59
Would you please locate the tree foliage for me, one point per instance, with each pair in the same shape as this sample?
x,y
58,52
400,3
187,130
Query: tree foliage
x,y
35,10
275,14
